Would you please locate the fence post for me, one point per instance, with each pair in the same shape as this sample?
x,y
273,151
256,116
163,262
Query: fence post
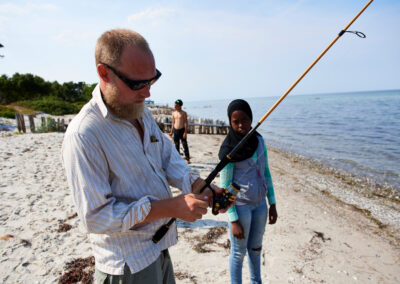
x,y
32,123
20,122
17,121
43,122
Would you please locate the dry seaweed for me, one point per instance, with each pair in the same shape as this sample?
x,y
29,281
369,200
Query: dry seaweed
x,y
184,275
71,217
64,227
209,238
80,269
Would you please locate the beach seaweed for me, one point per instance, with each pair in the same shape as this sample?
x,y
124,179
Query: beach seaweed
x,y
80,269
209,238
184,275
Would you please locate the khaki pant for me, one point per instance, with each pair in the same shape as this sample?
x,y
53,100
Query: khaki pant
x,y
159,272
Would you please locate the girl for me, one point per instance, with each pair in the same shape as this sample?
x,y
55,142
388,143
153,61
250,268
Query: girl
x,y
248,169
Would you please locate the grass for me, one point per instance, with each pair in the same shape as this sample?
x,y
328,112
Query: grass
x,y
7,112
51,106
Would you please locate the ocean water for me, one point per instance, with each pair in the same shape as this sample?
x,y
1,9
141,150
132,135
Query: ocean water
x,y
357,132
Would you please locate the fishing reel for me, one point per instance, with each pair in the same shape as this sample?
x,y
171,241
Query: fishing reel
x,y
226,198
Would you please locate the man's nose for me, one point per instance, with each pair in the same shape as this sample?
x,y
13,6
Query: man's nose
x,y
145,92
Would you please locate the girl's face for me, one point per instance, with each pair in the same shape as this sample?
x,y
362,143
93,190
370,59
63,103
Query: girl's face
x,y
240,122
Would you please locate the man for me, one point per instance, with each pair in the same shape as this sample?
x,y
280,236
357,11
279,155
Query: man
x,y
119,167
179,128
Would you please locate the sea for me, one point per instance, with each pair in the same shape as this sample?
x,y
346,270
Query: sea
x,y
358,132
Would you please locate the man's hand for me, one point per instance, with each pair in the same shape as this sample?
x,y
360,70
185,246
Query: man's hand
x,y
237,230
199,183
190,207
272,214
170,134
219,191
184,135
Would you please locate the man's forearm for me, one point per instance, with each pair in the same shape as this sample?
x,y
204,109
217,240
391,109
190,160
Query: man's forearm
x,y
188,207
160,209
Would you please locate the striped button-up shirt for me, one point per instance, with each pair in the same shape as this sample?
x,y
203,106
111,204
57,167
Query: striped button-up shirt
x,y
114,177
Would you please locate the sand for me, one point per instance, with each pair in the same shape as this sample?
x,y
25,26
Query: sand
x,y
332,227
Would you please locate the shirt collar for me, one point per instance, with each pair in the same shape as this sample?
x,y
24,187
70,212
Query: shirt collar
x,y
99,101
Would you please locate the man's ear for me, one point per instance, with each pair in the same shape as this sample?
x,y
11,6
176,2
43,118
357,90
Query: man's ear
x,y
103,72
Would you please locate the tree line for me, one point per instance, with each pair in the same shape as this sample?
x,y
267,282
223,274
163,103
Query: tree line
x,y
34,92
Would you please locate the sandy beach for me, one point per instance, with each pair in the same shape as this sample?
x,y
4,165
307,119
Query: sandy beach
x,y
332,227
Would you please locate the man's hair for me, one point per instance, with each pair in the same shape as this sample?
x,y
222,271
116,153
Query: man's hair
x,y
111,44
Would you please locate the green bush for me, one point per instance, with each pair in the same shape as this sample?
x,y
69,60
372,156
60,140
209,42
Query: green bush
x,y
79,105
49,126
51,106
7,112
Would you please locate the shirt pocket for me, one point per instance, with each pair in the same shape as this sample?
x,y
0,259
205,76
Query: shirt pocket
x,y
154,151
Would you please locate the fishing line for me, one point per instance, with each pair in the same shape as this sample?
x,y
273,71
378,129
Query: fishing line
x,y
227,159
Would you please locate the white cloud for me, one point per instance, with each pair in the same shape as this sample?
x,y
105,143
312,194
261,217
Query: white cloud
x,y
151,14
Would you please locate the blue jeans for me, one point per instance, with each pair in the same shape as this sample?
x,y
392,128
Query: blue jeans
x,y
253,219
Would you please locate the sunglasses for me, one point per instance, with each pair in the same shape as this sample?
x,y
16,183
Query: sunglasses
x,y
134,84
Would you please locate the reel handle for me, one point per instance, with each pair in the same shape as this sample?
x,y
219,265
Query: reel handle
x,y
227,197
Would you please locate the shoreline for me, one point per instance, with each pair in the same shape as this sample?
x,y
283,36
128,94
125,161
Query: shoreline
x,y
370,186
360,194
389,189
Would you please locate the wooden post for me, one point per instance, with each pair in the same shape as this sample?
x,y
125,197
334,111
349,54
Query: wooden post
x,y
51,124
20,122
23,123
32,123
17,121
43,122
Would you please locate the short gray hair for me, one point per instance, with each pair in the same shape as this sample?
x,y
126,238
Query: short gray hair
x,y
111,44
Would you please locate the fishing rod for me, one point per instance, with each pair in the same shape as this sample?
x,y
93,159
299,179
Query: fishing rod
x,y
201,186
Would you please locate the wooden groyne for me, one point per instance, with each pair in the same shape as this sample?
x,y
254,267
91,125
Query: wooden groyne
x,y
161,115
46,124
197,128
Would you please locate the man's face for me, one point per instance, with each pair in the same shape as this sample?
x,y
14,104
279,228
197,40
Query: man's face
x,y
124,102
177,107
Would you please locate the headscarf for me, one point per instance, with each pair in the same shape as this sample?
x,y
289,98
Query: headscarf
x,y
232,139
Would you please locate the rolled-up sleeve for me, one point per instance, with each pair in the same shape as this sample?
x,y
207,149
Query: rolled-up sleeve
x,y
88,177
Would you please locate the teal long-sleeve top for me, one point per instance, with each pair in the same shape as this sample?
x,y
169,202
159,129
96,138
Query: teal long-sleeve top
x,y
226,177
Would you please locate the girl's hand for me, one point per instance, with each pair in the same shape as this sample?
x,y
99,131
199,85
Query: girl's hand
x,y
272,214
237,230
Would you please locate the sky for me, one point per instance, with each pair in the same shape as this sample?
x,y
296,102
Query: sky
x,y
211,49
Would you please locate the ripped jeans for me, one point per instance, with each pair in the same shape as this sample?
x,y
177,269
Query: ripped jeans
x,y
253,219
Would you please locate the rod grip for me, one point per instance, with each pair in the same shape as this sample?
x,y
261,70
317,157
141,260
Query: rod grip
x,y
198,186
162,231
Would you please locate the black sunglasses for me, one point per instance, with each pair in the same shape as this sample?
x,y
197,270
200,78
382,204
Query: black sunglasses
x,y
134,84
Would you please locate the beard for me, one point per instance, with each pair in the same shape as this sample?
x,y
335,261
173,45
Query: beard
x,y
124,111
